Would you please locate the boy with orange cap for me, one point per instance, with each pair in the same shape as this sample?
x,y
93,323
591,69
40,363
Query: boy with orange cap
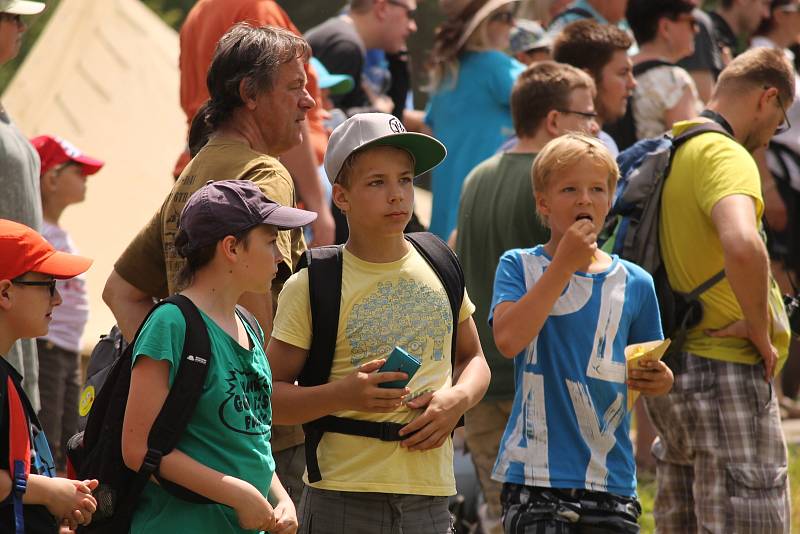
x,y
32,499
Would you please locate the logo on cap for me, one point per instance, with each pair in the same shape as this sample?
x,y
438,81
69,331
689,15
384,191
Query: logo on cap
x,y
396,126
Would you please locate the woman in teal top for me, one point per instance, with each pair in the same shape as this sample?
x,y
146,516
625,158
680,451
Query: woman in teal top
x,y
469,109
227,234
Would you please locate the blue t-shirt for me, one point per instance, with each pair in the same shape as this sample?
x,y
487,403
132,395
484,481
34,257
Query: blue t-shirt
x,y
569,426
472,118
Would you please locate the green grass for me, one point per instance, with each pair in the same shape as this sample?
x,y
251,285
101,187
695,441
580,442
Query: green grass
x,y
647,493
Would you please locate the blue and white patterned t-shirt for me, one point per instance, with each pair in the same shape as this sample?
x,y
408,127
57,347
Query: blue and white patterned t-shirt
x,y
569,427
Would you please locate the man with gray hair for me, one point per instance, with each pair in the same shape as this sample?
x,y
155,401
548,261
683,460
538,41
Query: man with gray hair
x,y
258,102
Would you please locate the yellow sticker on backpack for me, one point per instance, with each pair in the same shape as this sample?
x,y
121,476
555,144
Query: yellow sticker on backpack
x,y
87,399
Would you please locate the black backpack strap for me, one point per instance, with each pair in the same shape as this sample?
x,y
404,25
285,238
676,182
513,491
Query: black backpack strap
x,y
252,322
445,264
180,403
644,66
324,266
705,286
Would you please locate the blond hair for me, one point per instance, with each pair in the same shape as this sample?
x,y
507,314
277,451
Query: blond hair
x,y
758,68
565,152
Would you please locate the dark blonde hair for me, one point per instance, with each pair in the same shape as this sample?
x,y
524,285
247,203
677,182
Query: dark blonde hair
x,y
758,68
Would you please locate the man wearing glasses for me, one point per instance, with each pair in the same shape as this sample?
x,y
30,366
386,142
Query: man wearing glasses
x,y
719,428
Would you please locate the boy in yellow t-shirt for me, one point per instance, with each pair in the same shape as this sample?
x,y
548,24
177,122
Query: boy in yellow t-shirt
x,y
390,297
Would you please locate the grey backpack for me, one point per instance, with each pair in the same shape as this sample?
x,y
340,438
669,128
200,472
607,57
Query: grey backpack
x,y
631,228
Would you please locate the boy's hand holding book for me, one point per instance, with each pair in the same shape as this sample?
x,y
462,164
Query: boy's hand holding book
x,y
360,390
646,373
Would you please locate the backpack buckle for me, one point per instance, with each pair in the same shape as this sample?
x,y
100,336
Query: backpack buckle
x,y
20,480
390,432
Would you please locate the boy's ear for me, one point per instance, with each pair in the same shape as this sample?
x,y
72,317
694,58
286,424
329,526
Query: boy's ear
x,y
49,180
227,247
340,197
5,295
541,204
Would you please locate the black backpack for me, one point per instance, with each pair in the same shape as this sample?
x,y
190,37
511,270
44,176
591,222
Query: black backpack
x,y
623,131
97,451
325,290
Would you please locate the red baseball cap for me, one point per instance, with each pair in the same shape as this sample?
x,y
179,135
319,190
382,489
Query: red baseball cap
x,y
24,250
55,151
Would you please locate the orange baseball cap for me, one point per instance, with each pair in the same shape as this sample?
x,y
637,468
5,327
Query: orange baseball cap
x,y
24,250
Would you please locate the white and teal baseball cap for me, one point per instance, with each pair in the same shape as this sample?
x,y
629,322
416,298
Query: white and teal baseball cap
x,y
337,84
364,130
21,7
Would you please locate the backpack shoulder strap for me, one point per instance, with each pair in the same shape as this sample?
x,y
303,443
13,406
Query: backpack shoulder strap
x,y
696,130
252,322
445,264
181,401
19,447
650,64
325,294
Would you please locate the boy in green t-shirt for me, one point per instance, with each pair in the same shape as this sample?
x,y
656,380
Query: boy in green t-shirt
x,y
28,273
390,297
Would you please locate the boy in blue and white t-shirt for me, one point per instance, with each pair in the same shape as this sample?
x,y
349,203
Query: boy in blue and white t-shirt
x,y
565,311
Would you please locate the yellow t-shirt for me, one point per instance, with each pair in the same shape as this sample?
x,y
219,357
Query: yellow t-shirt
x,y
705,170
384,305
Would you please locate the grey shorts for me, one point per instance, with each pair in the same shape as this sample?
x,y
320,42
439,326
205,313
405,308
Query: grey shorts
x,y
721,457
339,512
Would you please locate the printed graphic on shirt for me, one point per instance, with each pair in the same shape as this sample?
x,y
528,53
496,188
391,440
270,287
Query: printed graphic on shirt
x,y
246,410
568,427
400,313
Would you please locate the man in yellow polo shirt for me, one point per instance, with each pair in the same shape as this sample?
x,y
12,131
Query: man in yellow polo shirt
x,y
721,457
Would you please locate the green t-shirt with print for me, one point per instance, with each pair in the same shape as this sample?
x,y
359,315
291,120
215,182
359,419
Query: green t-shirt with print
x,y
229,431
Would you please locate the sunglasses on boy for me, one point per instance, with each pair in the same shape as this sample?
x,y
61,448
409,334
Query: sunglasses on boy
x,y
49,284
10,17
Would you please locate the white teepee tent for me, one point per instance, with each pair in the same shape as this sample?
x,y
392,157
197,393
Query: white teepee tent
x,y
104,75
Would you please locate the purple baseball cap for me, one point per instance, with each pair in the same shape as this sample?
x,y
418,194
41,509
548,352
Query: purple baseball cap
x,y
227,207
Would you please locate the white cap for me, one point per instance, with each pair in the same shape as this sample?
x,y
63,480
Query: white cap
x,y
21,7
380,129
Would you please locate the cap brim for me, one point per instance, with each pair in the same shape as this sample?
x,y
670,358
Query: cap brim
x,y
62,265
286,218
90,165
24,7
427,151
339,84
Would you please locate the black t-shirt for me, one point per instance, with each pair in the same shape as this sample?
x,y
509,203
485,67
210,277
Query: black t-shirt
x,y
338,46
724,34
37,519
707,54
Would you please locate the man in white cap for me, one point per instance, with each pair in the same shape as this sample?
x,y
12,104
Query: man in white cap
x,y
380,459
19,176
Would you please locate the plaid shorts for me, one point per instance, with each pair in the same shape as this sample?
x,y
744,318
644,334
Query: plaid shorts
x,y
721,456
339,512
